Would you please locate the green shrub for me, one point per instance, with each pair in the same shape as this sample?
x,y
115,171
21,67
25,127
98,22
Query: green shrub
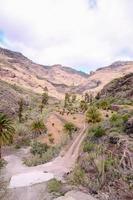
x,y
2,163
46,157
21,130
116,120
78,176
38,148
88,146
104,104
54,186
97,131
125,117
38,127
93,115
70,128
109,163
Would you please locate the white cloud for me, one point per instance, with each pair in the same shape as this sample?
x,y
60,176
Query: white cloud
x,y
71,32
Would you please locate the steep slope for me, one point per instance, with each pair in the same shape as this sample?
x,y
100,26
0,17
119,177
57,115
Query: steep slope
x,y
17,69
119,88
104,75
11,94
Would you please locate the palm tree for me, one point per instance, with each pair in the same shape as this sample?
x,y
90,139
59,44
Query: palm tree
x,y
69,128
83,105
6,131
38,127
93,115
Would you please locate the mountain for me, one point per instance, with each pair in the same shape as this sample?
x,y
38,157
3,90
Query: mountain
x,y
18,70
119,88
104,75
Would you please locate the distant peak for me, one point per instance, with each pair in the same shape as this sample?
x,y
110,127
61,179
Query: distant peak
x,y
12,54
116,64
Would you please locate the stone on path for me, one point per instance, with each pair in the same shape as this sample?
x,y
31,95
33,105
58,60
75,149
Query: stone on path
x,y
29,178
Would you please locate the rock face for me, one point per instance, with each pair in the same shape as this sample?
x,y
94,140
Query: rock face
x,y
76,195
119,88
129,126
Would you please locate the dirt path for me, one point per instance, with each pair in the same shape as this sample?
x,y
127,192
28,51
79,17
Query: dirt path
x,y
58,167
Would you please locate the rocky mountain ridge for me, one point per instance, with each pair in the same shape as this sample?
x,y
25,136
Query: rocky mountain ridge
x,y
16,69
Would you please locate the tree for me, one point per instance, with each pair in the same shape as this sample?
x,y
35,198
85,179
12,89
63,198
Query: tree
x,y
93,115
73,98
44,101
69,128
38,128
83,105
87,97
67,99
6,131
20,109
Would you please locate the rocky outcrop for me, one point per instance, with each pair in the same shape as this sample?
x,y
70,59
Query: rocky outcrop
x,y
119,88
76,195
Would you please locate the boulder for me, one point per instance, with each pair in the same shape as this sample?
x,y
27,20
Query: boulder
x,y
76,195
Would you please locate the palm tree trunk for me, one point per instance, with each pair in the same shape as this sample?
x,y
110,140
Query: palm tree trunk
x,y
0,152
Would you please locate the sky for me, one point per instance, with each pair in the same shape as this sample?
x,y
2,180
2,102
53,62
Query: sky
x,y
83,34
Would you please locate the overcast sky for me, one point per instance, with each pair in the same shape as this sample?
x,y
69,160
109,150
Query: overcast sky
x,y
84,34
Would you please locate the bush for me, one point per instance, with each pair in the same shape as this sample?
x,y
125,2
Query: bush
x,y
97,131
22,130
54,186
116,120
38,127
78,176
109,163
93,115
125,117
38,148
2,163
104,104
70,128
46,157
88,146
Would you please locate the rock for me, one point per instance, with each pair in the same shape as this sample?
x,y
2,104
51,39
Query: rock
x,y
115,107
76,195
129,126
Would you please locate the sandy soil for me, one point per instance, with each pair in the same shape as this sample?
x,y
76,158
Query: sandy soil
x,y
55,124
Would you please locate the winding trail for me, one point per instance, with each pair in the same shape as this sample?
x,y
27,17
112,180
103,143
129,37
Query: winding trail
x,y
22,175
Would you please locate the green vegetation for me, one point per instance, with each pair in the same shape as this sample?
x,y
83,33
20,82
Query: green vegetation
x,y
78,176
97,131
83,105
93,115
45,157
104,104
2,163
54,186
6,131
38,128
88,146
116,120
44,100
69,128
38,148
20,109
